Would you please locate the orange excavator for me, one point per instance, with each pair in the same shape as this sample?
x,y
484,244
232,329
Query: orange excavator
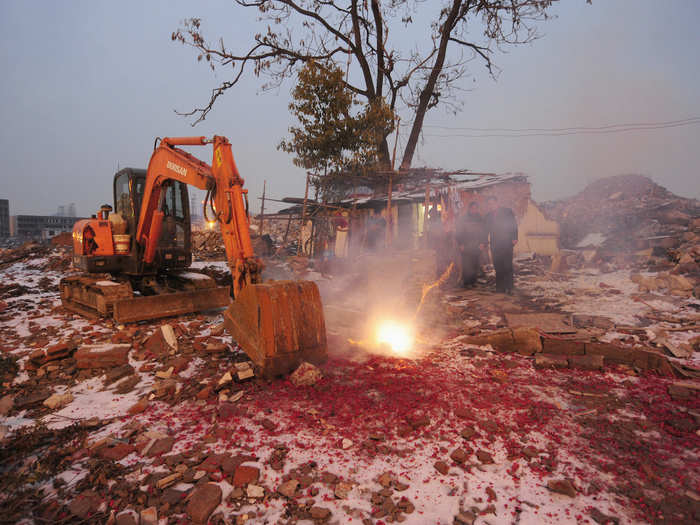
x,y
136,256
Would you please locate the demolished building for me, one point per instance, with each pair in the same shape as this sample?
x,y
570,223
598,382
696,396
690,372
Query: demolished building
x,y
630,219
343,227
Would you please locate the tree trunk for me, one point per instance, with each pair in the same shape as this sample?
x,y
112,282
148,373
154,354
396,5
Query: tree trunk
x,y
427,92
384,157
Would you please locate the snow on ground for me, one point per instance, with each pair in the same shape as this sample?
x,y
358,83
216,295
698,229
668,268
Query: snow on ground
x,y
592,239
587,292
618,438
615,297
583,295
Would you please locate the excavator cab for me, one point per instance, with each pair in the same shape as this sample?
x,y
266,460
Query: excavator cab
x,y
175,241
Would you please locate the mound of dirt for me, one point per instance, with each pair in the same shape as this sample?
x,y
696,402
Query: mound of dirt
x,y
628,212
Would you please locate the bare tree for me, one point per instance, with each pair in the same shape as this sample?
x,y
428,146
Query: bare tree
x,y
358,32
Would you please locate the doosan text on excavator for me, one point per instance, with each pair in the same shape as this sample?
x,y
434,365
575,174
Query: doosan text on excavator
x,y
135,259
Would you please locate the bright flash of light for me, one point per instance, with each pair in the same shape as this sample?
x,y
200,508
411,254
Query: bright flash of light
x,y
210,224
397,336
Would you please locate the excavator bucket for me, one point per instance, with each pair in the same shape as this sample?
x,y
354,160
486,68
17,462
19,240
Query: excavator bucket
x,y
279,325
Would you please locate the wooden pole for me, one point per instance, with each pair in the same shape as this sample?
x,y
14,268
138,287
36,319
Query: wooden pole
x,y
303,216
262,207
286,233
389,214
425,215
396,141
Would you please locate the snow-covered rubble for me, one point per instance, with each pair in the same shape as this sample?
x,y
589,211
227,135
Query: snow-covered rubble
x,y
456,434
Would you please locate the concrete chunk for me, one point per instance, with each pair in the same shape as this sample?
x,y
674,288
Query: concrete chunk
x,y
551,361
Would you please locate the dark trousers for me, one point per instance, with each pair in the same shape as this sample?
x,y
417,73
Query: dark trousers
x,y
503,264
470,266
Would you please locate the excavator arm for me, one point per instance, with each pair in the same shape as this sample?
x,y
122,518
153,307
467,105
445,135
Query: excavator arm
x,y
224,187
278,324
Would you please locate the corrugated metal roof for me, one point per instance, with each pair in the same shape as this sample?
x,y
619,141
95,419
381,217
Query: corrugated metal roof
x,y
412,192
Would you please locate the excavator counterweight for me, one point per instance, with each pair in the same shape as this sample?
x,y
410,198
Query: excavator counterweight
x,y
142,252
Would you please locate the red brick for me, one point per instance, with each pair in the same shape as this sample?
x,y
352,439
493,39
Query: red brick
x,y
245,475
586,362
117,452
156,344
102,356
551,361
203,501
552,345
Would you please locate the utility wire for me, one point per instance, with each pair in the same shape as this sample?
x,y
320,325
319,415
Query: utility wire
x,y
558,132
575,128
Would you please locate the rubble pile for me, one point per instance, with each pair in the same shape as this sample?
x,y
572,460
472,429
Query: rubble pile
x,y
62,239
281,230
169,422
28,250
208,245
628,213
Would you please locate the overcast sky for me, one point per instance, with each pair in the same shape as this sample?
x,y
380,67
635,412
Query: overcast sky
x,y
87,86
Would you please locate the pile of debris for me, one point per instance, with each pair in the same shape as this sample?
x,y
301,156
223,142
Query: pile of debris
x,y
283,231
624,213
208,245
628,221
62,239
28,250
170,421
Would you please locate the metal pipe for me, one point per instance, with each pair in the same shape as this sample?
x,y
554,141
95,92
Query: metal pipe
x,y
185,141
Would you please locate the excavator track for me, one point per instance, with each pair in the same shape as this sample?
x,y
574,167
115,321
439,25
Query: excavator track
x,y
103,296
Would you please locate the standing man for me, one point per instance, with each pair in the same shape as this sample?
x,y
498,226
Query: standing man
x,y
438,240
376,230
503,233
471,240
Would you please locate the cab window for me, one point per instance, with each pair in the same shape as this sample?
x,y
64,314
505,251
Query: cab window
x,y
173,202
122,200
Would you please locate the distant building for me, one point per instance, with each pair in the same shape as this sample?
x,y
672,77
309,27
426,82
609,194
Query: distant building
x,y
40,226
66,211
4,218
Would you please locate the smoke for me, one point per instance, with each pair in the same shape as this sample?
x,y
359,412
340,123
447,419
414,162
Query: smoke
x,y
373,299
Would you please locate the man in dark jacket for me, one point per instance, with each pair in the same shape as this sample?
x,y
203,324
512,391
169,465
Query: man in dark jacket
x,y
376,231
471,240
503,234
438,240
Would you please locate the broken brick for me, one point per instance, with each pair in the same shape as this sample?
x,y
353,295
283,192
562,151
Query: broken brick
x,y
441,467
586,362
562,486
203,501
245,475
551,361
102,355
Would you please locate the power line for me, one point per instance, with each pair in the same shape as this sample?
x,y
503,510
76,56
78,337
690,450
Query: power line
x,y
689,120
603,130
